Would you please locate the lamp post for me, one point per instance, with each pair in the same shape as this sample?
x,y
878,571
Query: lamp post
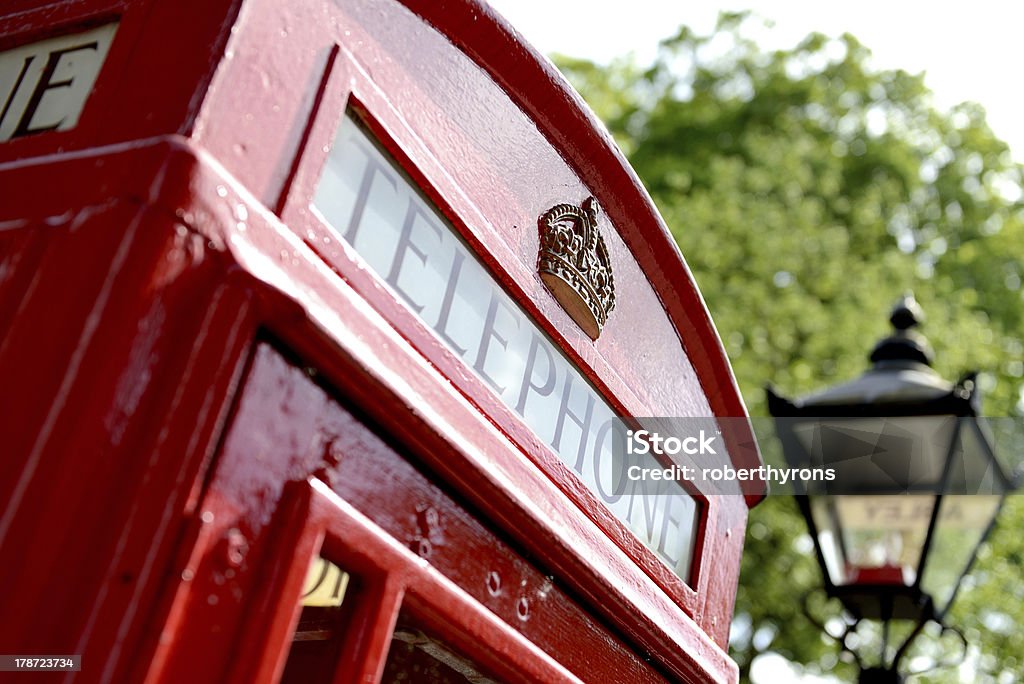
x,y
916,486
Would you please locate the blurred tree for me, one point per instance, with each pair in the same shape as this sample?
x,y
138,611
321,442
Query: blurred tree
x,y
807,191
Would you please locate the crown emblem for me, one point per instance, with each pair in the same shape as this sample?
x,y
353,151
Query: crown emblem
x,y
574,265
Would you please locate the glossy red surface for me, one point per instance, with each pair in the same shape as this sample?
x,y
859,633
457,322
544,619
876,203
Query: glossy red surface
x,y
419,539
146,250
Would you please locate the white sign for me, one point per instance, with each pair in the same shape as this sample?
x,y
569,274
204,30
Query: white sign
x,y
44,85
375,208
325,584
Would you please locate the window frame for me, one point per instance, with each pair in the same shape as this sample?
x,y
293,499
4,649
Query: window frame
x,y
390,577
346,87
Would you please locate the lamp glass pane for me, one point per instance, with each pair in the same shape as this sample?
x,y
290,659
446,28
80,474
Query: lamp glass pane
x,y
960,528
973,466
874,539
823,512
878,455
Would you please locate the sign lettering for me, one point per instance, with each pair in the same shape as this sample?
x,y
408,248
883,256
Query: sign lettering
x,y
325,584
44,85
378,211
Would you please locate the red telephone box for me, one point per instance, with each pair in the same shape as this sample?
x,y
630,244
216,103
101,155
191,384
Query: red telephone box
x,y
312,319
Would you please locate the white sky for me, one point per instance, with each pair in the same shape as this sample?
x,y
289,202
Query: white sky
x,y
968,50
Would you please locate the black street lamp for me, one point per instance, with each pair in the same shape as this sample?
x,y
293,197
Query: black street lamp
x,y
917,485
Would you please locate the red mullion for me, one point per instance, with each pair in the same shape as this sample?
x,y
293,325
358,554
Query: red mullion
x,y
345,84
446,608
275,612
301,537
368,640
183,452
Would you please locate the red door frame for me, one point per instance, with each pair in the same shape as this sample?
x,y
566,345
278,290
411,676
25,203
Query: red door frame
x,y
220,282
261,525
357,543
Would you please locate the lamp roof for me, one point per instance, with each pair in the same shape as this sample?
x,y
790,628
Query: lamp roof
x,y
900,376
886,382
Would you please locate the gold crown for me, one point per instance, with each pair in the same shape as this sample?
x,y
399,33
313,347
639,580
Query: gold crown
x,y
573,263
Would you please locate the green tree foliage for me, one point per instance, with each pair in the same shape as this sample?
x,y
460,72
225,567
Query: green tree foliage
x,y
807,191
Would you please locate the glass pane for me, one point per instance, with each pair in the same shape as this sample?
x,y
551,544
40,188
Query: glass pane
x,y
325,600
878,455
962,522
47,83
417,657
884,535
872,539
974,468
823,512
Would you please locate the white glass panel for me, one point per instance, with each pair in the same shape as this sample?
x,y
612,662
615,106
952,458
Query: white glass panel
x,y
376,209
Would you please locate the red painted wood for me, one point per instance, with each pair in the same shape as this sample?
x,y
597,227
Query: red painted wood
x,y
376,346
508,188
144,251
90,492
475,457
345,261
283,412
